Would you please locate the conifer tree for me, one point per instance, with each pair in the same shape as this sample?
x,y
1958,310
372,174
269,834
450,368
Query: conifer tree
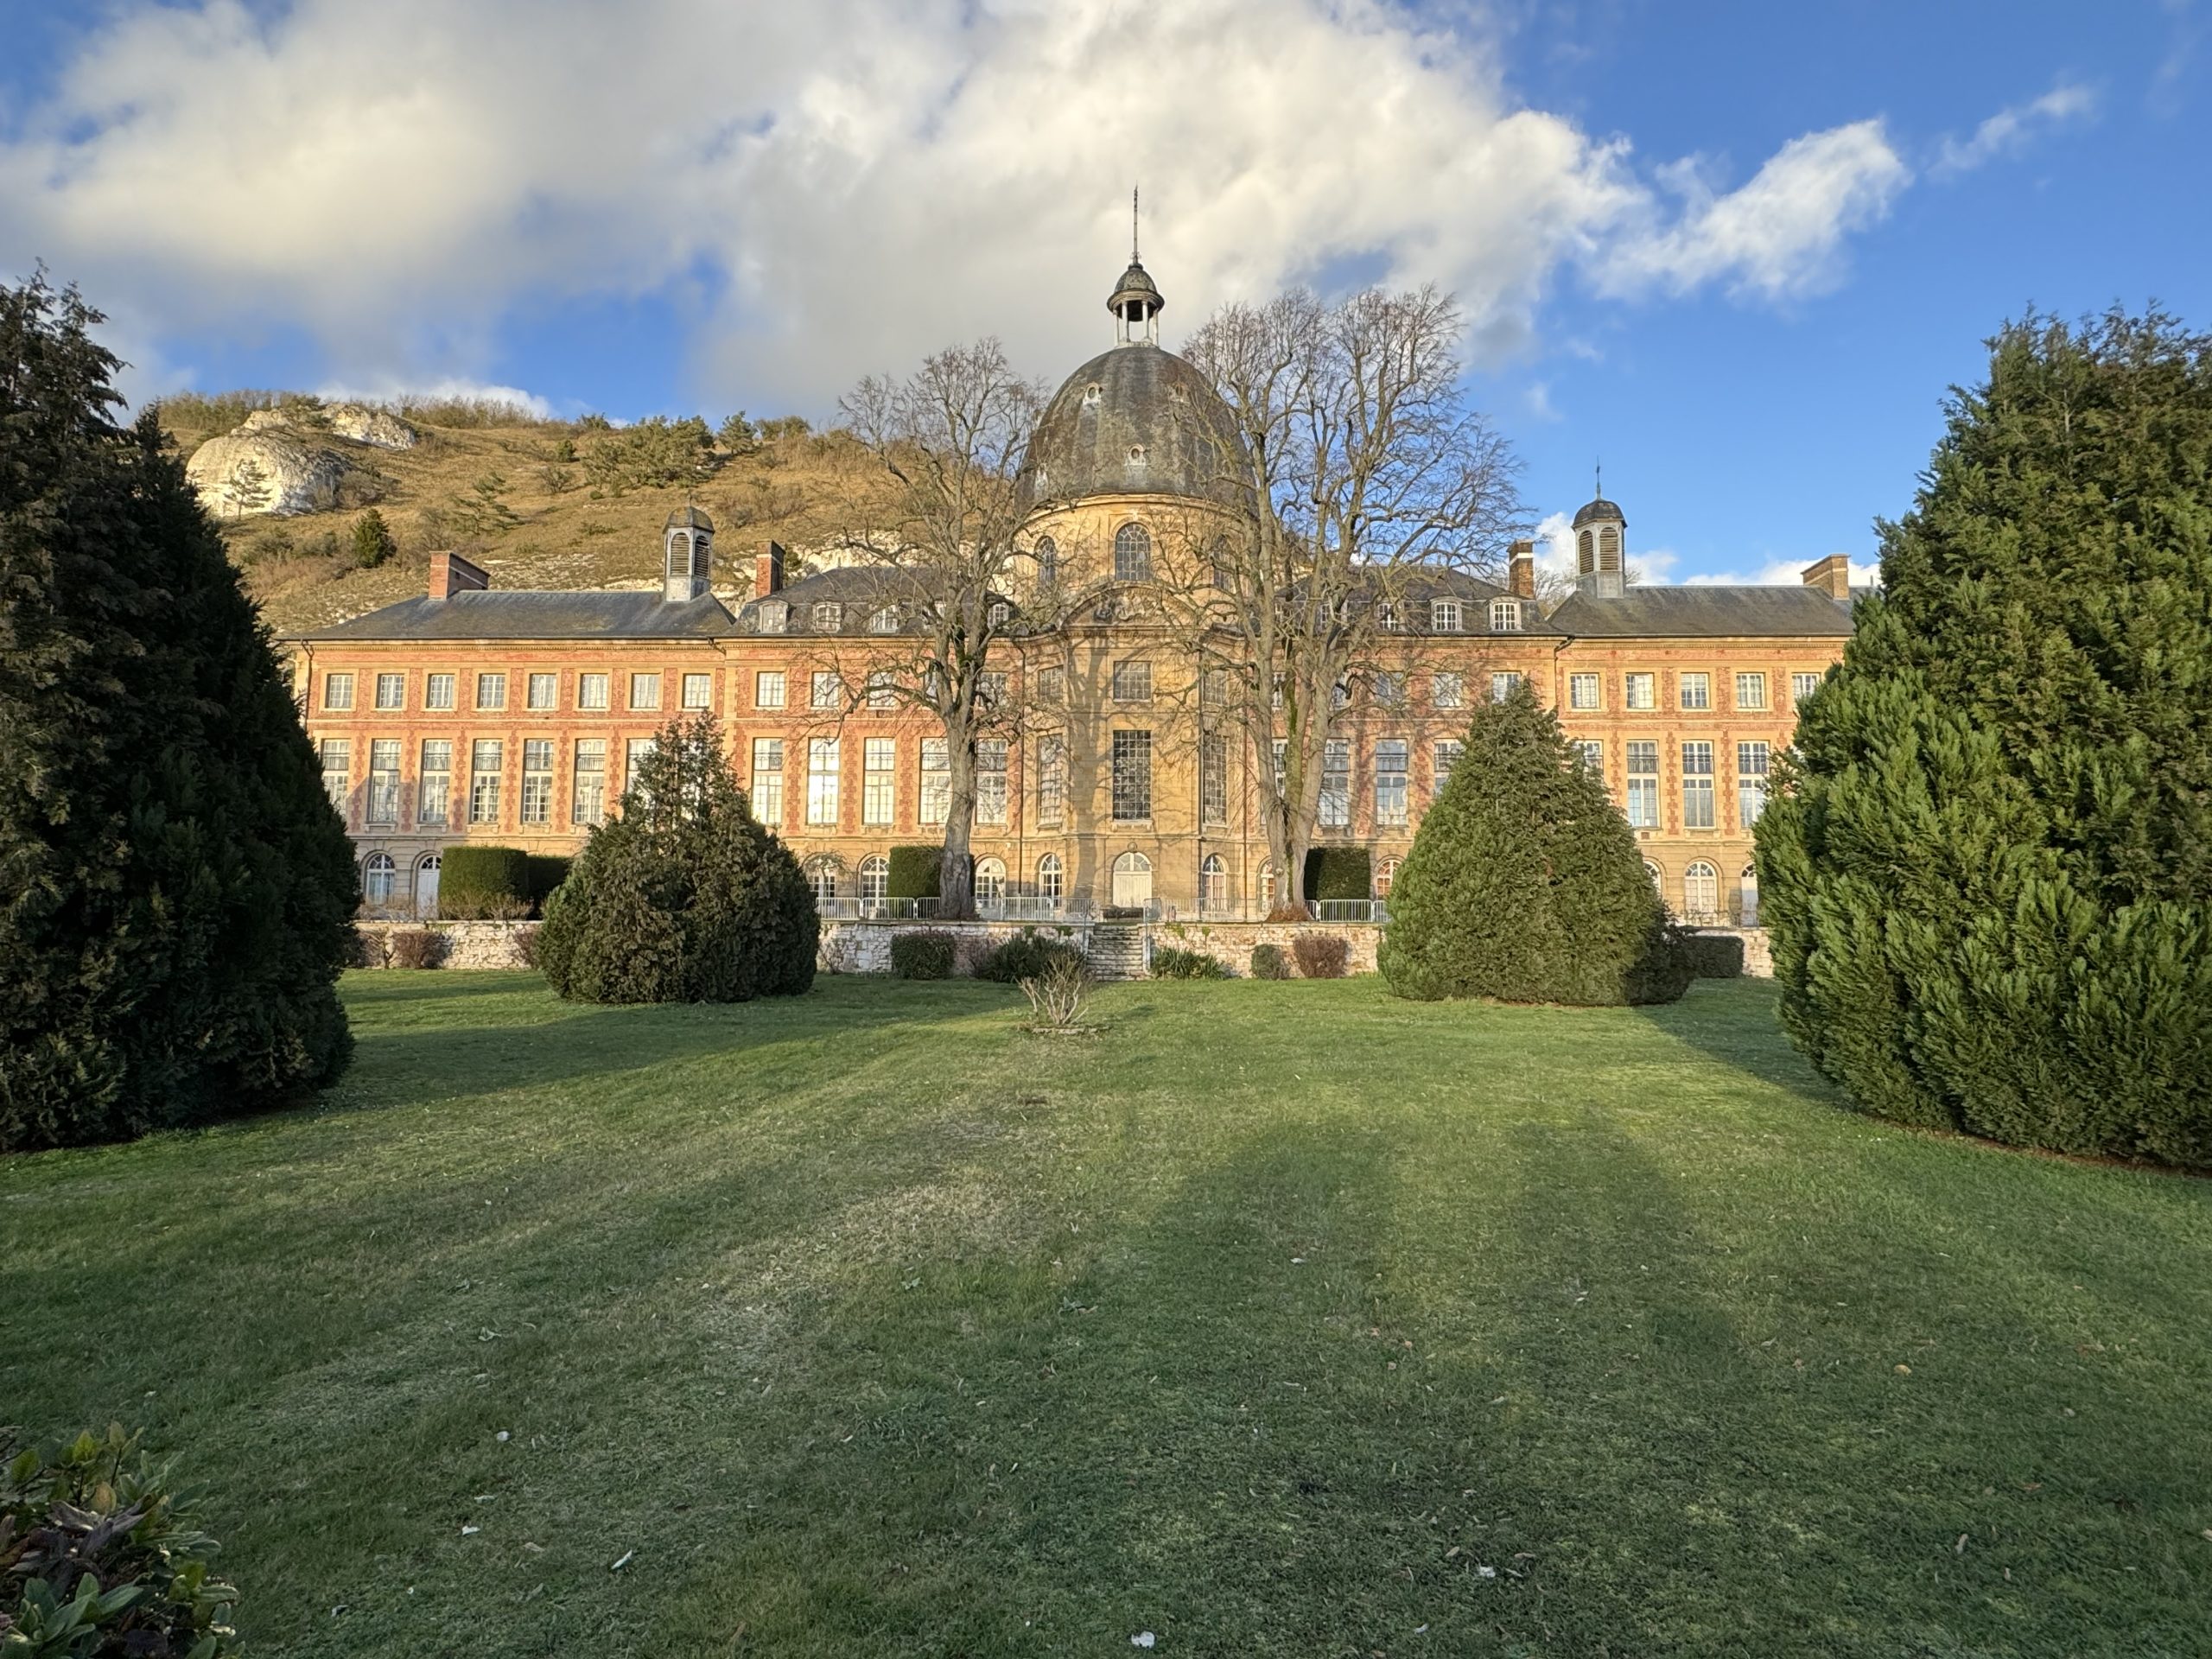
x,y
1524,883
372,540
176,892
682,896
1988,867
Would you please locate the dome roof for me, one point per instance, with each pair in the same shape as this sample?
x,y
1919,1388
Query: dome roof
x,y
1598,511
1137,283
688,517
1135,421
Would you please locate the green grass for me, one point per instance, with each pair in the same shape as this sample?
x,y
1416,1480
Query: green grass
x,y
867,1325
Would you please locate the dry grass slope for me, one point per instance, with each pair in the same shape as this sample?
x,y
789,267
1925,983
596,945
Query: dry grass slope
x,y
803,490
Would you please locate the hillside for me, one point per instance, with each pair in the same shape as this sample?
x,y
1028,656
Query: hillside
x,y
540,504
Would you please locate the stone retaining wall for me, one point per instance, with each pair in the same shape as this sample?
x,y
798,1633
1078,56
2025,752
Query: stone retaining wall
x,y
468,944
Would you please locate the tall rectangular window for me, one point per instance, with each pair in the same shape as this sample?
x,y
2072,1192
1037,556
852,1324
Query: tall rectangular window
x,y
698,690
391,690
1697,785
882,692
1213,687
1582,691
1639,691
1751,690
934,802
1051,778
768,779
1644,783
822,780
591,691
1390,782
878,780
1591,751
337,770
1051,685
1504,685
487,764
827,690
384,780
433,793
491,690
541,691
1696,690
437,690
537,780
1751,760
990,689
1335,784
644,691
637,751
1282,763
1389,689
990,781
338,691
1446,757
1132,682
1803,686
1213,777
1132,777
1448,690
588,802
768,689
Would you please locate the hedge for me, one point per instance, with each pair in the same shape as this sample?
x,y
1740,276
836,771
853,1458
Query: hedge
x,y
914,872
1339,873
1714,955
478,881
1269,962
928,955
547,872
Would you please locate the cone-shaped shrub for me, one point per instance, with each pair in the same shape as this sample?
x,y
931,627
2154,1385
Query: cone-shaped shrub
x,y
1524,883
682,896
176,895
1987,870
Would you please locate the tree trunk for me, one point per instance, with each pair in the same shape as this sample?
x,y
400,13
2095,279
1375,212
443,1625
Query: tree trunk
x,y
957,872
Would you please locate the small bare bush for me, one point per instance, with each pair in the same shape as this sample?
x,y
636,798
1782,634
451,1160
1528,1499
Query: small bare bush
x,y
417,947
1320,956
1058,994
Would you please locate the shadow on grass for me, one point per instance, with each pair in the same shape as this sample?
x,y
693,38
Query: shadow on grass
x,y
1738,1022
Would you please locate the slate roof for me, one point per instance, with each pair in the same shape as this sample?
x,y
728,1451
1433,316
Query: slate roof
x,y
858,591
1703,613
518,613
1136,420
1599,509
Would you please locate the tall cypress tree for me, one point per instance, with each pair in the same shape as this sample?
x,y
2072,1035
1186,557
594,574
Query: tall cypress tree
x,y
176,892
1524,883
1987,872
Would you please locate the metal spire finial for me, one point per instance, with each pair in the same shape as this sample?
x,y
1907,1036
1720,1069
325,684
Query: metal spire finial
x,y
1133,226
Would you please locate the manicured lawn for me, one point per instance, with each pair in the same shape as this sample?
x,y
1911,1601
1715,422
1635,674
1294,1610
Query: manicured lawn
x,y
1280,1318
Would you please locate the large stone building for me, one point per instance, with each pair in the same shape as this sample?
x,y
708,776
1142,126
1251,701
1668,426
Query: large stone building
x,y
474,714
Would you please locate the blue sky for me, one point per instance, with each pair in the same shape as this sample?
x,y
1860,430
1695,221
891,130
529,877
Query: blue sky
x,y
1737,252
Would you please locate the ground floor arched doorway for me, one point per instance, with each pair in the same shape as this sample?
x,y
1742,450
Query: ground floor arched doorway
x,y
1132,880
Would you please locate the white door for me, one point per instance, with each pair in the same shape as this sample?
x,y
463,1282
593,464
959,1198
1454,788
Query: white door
x,y
1132,880
425,885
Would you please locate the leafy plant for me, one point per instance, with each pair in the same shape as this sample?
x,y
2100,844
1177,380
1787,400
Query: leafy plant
x,y
98,1559
1269,962
930,954
1172,962
1320,956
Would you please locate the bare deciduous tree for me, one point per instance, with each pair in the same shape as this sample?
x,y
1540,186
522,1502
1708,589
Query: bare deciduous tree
x,y
1367,474
951,438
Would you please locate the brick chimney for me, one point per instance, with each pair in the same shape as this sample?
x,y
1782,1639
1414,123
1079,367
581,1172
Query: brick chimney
x,y
768,571
450,574
1520,570
1832,576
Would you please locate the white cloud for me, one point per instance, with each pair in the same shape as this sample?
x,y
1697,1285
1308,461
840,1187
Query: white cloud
x,y
2010,131
1783,573
391,390
834,188
1779,235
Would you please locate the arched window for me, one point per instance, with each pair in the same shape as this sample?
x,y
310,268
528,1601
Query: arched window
x,y
1386,874
1047,557
1133,553
426,885
999,614
1213,883
1267,887
990,881
1585,551
1658,882
1132,880
876,881
822,873
378,876
1049,886
1219,571
1609,547
1701,892
1749,896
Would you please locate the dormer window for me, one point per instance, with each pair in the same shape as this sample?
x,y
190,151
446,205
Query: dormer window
x,y
828,616
775,616
884,619
1386,617
1505,616
999,614
1443,615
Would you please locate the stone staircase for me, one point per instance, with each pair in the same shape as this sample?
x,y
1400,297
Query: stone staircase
x,y
1116,950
